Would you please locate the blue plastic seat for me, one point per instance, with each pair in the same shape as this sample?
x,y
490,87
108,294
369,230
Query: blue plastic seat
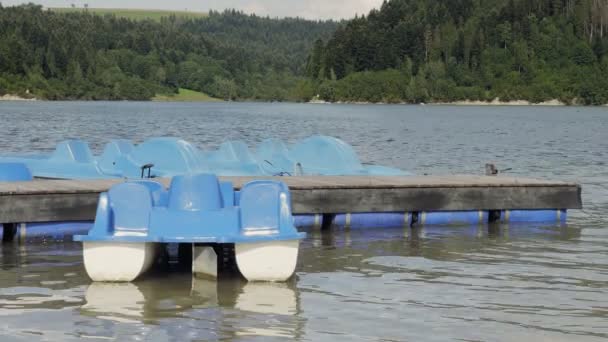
x,y
71,159
157,190
326,156
170,156
74,150
131,204
273,157
12,172
195,193
264,204
112,152
233,158
123,214
235,151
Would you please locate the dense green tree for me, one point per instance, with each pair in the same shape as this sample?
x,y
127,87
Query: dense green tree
x,y
231,55
534,50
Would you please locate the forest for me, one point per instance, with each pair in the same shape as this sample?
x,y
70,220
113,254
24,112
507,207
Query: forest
x,y
79,55
407,51
453,50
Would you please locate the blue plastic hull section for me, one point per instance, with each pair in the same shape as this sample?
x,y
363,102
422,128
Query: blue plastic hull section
x,y
514,216
373,220
13,172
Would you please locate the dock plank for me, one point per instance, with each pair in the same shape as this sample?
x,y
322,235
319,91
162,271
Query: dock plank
x,y
69,200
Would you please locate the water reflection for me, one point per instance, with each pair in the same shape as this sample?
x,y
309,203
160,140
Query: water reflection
x,y
388,278
206,290
267,298
122,302
529,280
253,309
277,303
150,299
263,309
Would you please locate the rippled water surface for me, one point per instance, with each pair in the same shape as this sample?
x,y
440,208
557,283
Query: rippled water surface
x,y
487,283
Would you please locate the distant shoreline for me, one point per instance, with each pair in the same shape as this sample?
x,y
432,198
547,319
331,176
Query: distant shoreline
x,y
11,97
495,102
168,99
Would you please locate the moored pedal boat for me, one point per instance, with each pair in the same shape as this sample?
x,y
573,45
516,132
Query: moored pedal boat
x,y
133,217
317,155
71,159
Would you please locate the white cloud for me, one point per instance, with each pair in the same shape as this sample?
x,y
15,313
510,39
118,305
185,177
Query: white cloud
x,y
311,9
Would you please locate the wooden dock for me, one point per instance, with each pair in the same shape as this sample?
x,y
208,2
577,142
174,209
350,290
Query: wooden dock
x,y
76,200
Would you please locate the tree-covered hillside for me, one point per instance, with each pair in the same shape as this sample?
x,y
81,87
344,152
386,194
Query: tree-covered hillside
x,y
82,55
449,50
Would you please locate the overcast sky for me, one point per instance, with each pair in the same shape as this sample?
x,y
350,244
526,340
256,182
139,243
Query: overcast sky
x,y
312,9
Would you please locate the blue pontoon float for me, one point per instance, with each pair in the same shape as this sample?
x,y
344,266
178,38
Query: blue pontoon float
x,y
134,217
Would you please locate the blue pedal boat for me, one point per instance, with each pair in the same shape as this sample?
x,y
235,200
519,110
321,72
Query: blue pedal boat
x,y
233,158
134,217
71,159
317,155
167,157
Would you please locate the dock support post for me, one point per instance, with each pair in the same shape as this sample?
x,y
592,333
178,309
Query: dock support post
x,y
9,232
184,255
415,219
493,216
328,221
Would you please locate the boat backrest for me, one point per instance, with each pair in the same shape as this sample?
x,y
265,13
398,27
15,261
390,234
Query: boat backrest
x,y
270,147
260,203
326,155
169,155
111,153
12,172
228,194
273,154
235,151
157,191
195,192
131,204
74,150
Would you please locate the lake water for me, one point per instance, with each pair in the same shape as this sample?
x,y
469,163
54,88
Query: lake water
x,y
499,283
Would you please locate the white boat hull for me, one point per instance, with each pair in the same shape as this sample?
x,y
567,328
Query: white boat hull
x,y
116,261
267,261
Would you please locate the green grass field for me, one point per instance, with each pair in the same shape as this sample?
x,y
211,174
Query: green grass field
x,y
186,95
134,14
